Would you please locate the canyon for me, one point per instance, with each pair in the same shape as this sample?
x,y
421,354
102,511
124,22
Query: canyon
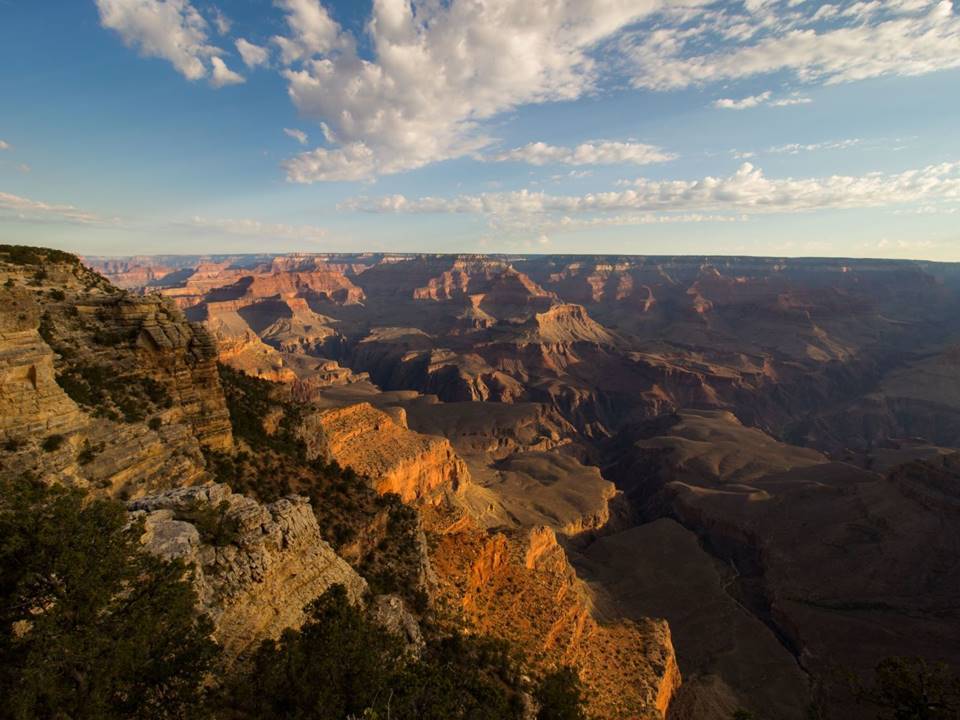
x,y
708,484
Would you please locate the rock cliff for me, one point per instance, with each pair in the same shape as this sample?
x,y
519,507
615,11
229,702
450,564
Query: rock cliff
x,y
102,389
397,459
520,586
257,566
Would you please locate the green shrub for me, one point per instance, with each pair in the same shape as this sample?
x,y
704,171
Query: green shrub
x,y
91,626
27,255
365,672
561,696
112,396
53,442
912,689
215,526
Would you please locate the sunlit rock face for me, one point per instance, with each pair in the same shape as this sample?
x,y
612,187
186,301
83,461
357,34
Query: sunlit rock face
x,y
397,459
102,389
255,583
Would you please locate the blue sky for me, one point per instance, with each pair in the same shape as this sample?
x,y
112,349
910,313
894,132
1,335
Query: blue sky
x,y
762,127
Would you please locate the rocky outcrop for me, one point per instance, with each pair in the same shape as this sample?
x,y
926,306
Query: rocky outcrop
x,y
492,286
257,566
494,429
519,586
103,390
184,356
395,458
32,404
568,324
391,612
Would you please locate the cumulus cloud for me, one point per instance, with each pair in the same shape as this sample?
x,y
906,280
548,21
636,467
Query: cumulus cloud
x,y
169,29
747,191
312,31
299,135
591,153
432,74
253,55
222,75
437,71
831,43
4,145
15,207
355,161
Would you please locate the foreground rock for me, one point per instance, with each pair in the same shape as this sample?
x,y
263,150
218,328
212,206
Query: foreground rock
x,y
257,566
101,389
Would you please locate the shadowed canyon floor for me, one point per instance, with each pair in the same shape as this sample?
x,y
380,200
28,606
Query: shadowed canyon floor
x,y
710,484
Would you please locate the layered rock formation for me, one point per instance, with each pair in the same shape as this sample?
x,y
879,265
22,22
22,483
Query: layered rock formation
x,y
31,402
256,566
382,447
629,667
104,390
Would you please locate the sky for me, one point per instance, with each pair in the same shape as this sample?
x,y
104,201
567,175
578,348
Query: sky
x,y
747,127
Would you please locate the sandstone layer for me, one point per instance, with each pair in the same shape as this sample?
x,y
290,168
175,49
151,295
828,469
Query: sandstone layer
x,y
397,459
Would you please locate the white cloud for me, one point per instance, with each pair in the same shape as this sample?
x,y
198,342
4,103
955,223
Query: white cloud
x,y
591,153
15,207
847,42
744,103
355,161
253,55
24,168
764,98
221,21
828,145
312,30
746,191
790,101
222,75
798,148
437,71
629,219
299,135
4,145
169,29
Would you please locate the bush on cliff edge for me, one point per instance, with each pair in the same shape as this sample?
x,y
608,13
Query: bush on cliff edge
x,y
91,626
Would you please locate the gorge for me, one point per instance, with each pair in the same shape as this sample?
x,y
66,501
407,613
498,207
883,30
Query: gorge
x,y
707,484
